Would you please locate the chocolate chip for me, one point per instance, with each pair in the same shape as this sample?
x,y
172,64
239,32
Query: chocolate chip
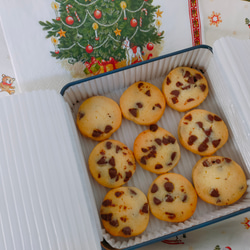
x,y
184,198
118,194
208,131
210,118
206,163
97,133
192,139
117,149
190,99
153,127
188,117
108,145
108,128
157,201
203,146
132,191
171,139
133,112
203,87
112,161
112,173
200,124
127,230
217,118
191,80
102,161
175,93
140,84
186,87
173,156
144,150
216,143
158,141
187,74
169,186
80,115
148,93
114,223
107,203
175,100
227,160
158,105
107,217
214,193
179,84
168,81
145,208
158,166
170,215
154,188
198,76
169,198
143,160
139,105
127,176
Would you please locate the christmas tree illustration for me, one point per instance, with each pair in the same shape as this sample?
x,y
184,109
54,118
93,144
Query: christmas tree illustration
x,y
102,32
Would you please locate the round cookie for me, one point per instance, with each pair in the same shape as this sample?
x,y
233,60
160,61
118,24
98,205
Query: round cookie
x,y
184,88
98,117
219,180
111,163
202,132
156,150
125,212
142,103
172,198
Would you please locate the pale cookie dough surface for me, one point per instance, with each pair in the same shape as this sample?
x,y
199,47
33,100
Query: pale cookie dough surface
x,y
219,180
184,88
202,132
98,117
125,212
111,163
156,150
142,103
172,198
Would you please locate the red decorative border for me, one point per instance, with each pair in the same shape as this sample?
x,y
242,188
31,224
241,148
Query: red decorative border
x,y
195,22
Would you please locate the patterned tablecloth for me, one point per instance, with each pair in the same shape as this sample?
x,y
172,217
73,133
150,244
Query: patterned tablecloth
x,y
218,18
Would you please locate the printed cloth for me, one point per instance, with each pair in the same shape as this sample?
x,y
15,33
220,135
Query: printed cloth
x,y
32,61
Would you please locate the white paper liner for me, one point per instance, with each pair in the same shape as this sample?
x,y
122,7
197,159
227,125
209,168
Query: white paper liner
x,y
113,86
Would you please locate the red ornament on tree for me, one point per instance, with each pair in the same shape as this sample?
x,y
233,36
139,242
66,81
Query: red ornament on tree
x,y
150,46
97,14
89,49
57,52
133,22
69,20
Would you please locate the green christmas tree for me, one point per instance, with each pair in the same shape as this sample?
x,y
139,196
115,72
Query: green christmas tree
x,y
85,29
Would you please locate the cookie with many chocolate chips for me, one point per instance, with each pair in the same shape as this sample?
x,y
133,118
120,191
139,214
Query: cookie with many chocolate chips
x,y
172,198
184,88
98,117
202,132
111,163
142,103
156,150
219,180
124,212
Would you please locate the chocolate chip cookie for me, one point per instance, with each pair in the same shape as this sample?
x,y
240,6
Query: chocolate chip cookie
x,y
98,117
219,180
111,163
142,103
184,88
172,198
202,132
125,212
156,150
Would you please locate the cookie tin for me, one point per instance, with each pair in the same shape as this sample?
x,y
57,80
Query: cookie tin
x,y
112,84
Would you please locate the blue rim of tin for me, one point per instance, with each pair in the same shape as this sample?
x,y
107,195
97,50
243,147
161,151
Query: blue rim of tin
x,y
189,229
203,46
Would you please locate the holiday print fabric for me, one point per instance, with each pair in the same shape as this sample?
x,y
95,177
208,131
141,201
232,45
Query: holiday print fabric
x,y
62,41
